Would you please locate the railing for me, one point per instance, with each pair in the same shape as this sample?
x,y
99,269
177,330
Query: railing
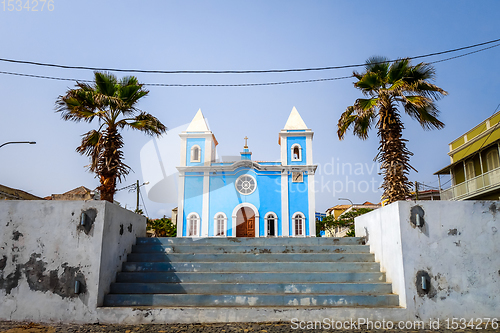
x,y
472,186
338,232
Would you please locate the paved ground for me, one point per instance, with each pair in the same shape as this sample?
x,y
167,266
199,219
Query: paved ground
x,y
15,327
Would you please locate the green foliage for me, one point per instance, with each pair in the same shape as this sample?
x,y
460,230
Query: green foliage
x,y
391,88
344,220
162,227
113,103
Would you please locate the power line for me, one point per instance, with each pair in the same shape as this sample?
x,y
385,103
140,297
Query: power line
x,y
463,55
184,85
231,85
230,71
246,84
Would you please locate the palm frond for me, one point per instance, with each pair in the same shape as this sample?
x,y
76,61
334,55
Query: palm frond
x,y
369,83
425,113
398,70
363,124
364,104
145,122
346,120
105,83
378,64
91,146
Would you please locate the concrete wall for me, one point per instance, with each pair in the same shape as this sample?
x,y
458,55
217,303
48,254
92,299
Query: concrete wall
x,y
44,250
456,250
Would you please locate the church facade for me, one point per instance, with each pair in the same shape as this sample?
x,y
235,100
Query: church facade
x,y
246,198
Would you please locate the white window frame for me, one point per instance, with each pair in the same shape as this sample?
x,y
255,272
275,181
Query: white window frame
x,y
470,168
266,226
490,157
294,216
193,217
299,157
216,224
193,160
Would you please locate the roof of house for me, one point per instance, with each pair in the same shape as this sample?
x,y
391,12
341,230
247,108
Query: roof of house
x,y
80,191
16,194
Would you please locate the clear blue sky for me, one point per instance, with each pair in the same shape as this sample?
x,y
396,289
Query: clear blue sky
x,y
225,35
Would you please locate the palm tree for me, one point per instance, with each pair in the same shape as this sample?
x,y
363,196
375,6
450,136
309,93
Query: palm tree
x,y
386,87
113,103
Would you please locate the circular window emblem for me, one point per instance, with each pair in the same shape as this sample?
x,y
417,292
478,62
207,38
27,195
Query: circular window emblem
x,y
245,184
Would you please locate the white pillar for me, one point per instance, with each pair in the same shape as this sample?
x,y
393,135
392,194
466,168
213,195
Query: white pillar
x,y
284,204
204,215
312,205
180,207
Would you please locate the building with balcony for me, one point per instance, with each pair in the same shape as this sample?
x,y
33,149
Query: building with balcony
x,y
475,163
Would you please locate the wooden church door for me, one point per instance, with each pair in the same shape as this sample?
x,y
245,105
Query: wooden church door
x,y
245,223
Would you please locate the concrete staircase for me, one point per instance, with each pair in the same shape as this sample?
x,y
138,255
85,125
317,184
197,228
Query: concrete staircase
x,y
251,272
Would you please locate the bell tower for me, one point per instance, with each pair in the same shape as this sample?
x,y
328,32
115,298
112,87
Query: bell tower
x,y
198,143
296,141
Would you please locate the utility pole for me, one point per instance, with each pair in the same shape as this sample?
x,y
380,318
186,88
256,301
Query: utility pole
x,y
416,190
137,188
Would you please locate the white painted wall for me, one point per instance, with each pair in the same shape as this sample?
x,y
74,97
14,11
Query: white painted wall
x,y
458,246
38,239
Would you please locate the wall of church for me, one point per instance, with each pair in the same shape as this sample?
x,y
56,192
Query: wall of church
x,y
193,196
298,201
224,197
270,199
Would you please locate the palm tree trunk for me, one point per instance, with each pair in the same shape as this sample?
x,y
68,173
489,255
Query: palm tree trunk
x,y
393,155
110,164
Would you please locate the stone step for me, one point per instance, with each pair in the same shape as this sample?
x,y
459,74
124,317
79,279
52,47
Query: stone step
x,y
147,248
267,277
249,257
250,267
245,300
252,288
253,241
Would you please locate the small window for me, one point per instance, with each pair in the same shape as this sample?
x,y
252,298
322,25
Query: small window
x,y
298,223
195,153
492,160
271,222
296,152
220,224
193,225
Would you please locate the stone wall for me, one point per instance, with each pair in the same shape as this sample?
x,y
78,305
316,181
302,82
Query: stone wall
x,y
44,249
455,250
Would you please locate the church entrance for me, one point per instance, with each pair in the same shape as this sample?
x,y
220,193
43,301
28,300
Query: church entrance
x,y
245,222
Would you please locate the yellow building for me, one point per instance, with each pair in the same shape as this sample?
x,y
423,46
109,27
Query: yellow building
x,y
475,166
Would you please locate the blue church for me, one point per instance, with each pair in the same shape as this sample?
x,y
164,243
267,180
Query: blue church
x,y
246,198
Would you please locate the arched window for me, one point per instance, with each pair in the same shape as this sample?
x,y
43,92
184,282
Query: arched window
x,y
193,225
220,224
298,224
271,224
195,153
296,152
